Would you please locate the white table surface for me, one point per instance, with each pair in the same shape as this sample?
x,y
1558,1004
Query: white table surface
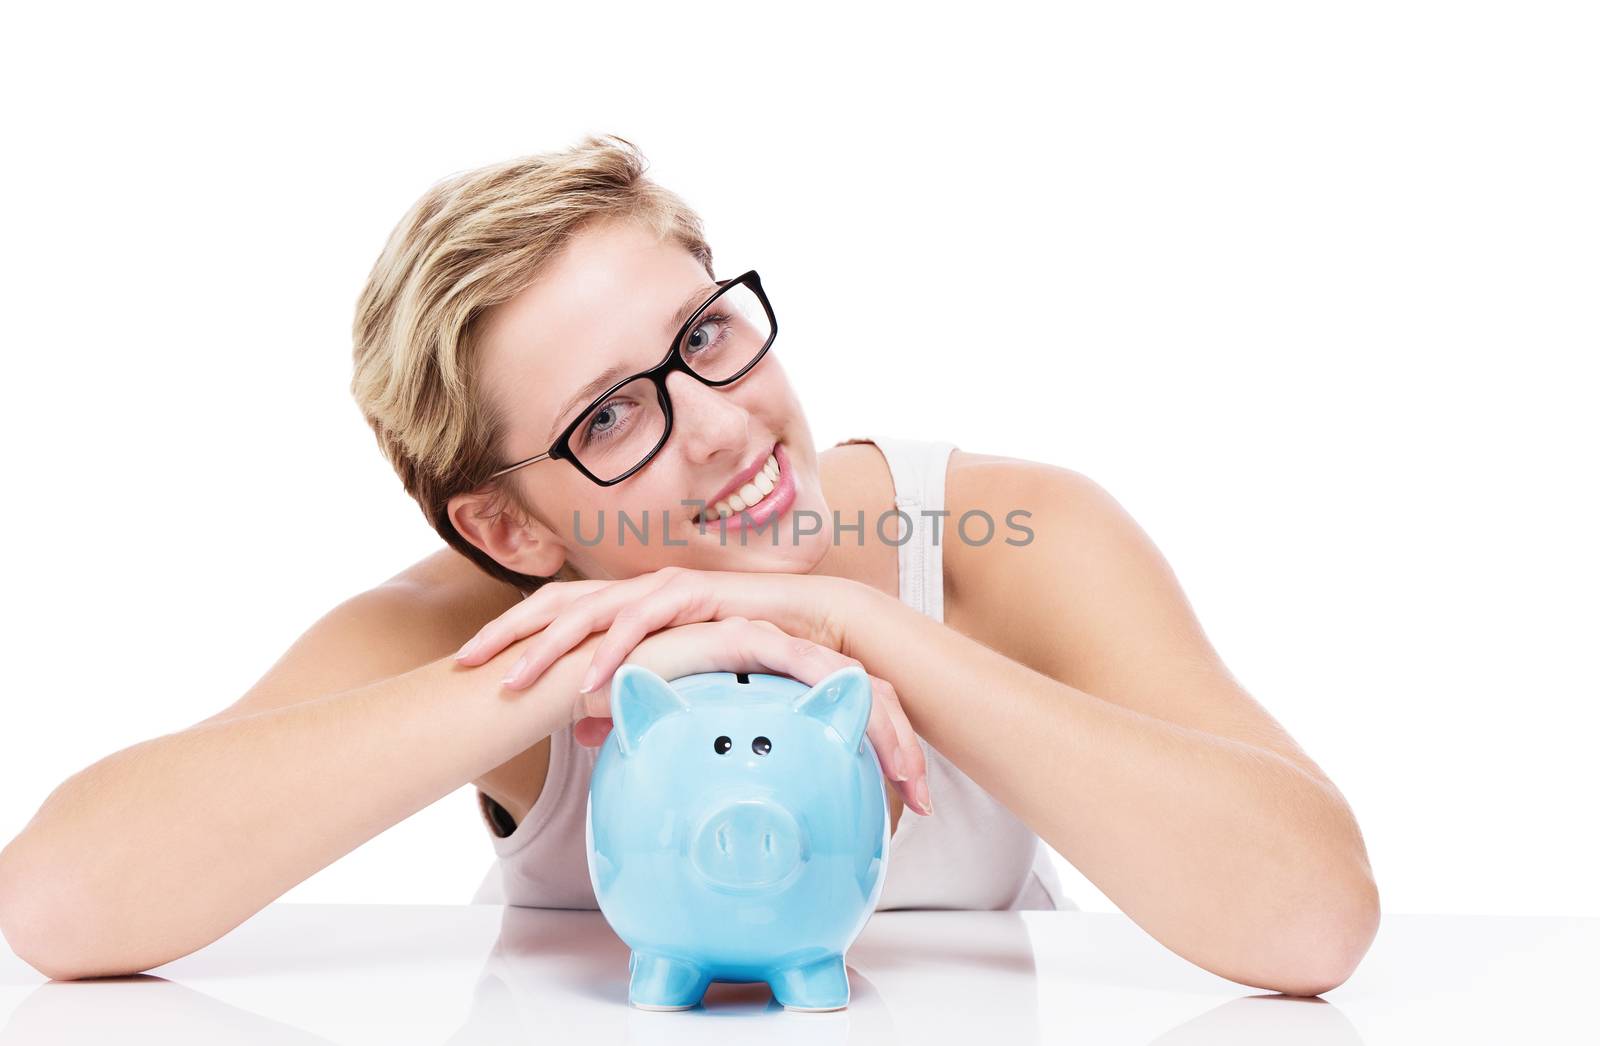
x,y
393,974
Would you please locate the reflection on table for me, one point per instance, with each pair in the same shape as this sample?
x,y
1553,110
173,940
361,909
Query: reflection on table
x,y
486,974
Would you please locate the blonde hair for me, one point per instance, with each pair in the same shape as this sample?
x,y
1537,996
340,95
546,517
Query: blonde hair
x,y
470,243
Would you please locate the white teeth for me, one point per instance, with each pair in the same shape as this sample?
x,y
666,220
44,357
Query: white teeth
x,y
763,484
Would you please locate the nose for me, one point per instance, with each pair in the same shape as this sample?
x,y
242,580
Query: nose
x,y
707,419
750,845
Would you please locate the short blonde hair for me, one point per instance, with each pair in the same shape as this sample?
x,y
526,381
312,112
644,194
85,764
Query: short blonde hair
x,y
470,243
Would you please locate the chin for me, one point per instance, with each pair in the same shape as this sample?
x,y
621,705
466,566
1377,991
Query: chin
x,y
758,554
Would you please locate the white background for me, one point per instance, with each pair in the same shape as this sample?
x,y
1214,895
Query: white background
x,y
1310,290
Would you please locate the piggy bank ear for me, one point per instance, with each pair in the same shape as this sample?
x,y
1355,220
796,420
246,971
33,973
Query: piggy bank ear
x,y
842,701
639,698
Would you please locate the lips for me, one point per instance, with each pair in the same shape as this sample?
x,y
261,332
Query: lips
x,y
745,475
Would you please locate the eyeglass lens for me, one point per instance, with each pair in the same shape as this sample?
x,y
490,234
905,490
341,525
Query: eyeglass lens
x,y
627,427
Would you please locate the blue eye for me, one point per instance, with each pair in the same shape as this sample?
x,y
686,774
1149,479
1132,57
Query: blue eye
x,y
697,342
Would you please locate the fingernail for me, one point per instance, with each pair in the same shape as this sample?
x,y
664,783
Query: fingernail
x,y
901,761
467,648
590,678
922,797
521,661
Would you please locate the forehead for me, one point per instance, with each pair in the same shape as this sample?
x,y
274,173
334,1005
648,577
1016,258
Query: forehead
x,y
607,298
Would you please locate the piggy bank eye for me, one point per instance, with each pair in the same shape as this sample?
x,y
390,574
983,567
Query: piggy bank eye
x,y
722,744
761,746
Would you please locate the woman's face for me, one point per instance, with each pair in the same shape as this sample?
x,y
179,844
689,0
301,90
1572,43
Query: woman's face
x,y
613,298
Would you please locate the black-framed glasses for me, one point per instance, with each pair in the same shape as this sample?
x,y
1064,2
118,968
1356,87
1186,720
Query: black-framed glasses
x,y
619,432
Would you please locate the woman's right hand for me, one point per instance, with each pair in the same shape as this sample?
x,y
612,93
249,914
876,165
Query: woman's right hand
x,y
737,644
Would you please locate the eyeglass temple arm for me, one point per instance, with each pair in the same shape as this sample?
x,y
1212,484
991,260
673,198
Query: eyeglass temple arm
x,y
518,465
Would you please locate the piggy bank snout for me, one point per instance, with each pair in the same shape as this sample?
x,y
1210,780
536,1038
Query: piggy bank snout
x,y
750,845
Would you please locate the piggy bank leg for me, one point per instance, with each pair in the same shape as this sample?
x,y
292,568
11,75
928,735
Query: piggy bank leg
x,y
663,983
818,986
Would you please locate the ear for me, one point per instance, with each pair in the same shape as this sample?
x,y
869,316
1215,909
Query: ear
x,y
842,701
493,522
640,699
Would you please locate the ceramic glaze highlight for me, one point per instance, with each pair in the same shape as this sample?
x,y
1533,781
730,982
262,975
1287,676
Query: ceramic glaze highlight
x,y
759,857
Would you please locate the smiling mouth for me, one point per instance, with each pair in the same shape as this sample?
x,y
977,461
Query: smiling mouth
x,y
750,493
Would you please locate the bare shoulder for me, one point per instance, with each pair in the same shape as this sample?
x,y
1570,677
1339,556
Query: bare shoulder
x,y
1086,597
854,473
999,508
453,597
1046,562
1005,488
448,574
976,474
421,614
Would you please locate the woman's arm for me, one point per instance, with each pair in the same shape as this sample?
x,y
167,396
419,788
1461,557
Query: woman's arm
x,y
1165,784
163,847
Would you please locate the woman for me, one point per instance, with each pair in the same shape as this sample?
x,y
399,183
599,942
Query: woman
x,y
563,385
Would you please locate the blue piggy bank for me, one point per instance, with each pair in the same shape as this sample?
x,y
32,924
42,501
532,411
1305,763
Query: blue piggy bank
x,y
737,827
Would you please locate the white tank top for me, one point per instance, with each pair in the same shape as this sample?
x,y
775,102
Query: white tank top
x,y
972,853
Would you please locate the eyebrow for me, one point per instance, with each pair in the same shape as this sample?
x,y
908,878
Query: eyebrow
x,y
601,382
691,303
606,378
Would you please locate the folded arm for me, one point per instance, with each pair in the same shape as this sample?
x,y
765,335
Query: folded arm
x,y
1093,706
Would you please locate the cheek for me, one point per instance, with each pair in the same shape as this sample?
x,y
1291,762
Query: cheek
x,y
653,501
574,502
772,396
